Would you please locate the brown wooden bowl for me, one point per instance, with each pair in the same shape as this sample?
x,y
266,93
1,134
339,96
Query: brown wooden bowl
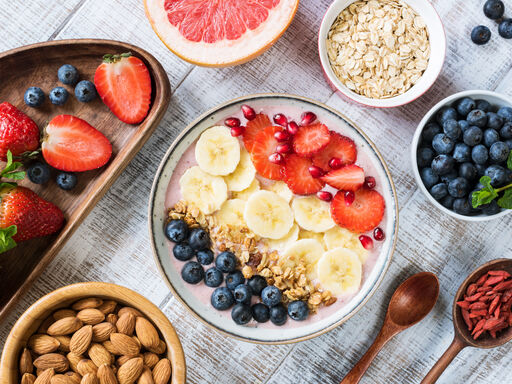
x,y
29,322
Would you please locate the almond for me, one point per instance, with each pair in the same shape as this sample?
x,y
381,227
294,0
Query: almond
x,y
65,326
62,313
102,331
146,377
81,340
52,360
124,344
89,302
74,377
64,343
126,324
61,379
150,359
99,354
74,359
137,341
26,365
108,306
131,310
162,372
112,318
146,333
123,359
91,316
90,378
160,349
45,377
28,378
106,375
86,366
130,371
42,344
110,347
43,328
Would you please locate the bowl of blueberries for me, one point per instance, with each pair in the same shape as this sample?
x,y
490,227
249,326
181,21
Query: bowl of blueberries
x,y
462,155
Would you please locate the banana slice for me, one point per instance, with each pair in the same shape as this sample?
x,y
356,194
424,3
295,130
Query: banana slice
x,y
268,215
303,234
231,213
312,214
243,175
281,244
217,152
341,237
247,192
340,271
306,252
281,189
205,191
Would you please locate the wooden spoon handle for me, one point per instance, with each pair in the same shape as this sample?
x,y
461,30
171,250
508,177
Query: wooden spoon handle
x,y
437,370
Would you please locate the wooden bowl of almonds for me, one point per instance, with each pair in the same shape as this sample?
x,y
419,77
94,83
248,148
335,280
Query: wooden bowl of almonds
x,y
93,333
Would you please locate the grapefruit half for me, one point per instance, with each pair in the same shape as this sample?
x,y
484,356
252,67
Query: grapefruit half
x,y
219,33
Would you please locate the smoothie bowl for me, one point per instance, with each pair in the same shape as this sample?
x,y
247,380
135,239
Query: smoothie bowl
x,y
273,218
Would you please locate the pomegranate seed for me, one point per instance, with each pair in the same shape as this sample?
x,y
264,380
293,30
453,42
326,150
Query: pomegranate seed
x,y
349,198
307,118
292,128
282,135
280,119
324,195
366,242
276,158
248,112
232,122
335,163
378,234
370,182
237,131
315,171
284,148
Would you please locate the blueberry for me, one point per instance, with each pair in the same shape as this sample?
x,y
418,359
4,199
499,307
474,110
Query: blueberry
x,y
442,144
234,279
461,153
176,230
463,125
480,168
468,171
205,257
241,314
66,180
68,74
506,113
257,283
192,272
465,105
278,314
39,173
260,313
499,152
443,164
439,191
58,96
494,121
509,143
226,262
34,97
491,209
271,295
478,118
446,113
480,35
428,177
199,239
449,176
85,91
451,129
473,136
298,310
462,207
213,277
494,9
479,154
505,29
242,294
430,130
458,187
490,137
222,299
497,174
447,202
506,131
483,105
425,157
182,251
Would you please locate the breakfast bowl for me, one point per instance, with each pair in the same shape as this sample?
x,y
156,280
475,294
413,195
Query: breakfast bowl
x,y
172,186
40,320
357,63
487,100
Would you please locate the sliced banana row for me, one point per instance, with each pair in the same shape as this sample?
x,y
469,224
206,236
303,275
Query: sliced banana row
x,y
340,271
312,214
341,237
243,175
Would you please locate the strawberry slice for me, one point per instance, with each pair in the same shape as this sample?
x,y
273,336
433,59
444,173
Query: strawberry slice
x,y
298,178
311,139
253,127
364,214
340,147
18,132
71,144
264,144
347,178
124,85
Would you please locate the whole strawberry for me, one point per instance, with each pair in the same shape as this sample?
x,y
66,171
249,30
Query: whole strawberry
x,y
18,132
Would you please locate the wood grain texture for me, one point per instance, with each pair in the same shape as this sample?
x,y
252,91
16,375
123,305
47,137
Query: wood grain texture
x,y
112,244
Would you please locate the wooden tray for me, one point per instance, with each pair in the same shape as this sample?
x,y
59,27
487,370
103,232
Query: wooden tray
x,y
37,65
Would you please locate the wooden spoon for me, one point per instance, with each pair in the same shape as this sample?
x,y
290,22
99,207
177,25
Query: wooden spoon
x,y
411,302
463,338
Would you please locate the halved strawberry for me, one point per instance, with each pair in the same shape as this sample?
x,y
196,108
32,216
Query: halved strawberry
x,y
311,139
264,144
253,127
124,84
347,178
364,214
340,147
298,178
71,144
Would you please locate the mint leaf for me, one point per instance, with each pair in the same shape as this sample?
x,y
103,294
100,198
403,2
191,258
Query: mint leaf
x,y
506,200
509,161
485,195
10,170
6,241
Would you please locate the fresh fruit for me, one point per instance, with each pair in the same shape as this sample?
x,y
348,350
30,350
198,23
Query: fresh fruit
x,y
34,97
494,9
298,310
312,214
442,144
370,182
378,234
505,29
443,164
58,96
278,314
481,35
18,133
38,173
324,195
465,105
446,113
205,257
263,147
253,127
67,74
497,174
234,279
499,152
260,313
247,192
307,118
226,262
315,171
451,129
337,237
491,136
271,295
305,252
232,122
237,131
461,153
311,139
242,294
207,192
505,113
243,175
349,198
363,215
292,128
429,177
280,119
231,213
217,152
192,272
183,251
257,283
281,189
439,191
426,155
285,241
249,112
176,230
213,277
477,118
506,130
124,84
276,158
241,314
85,91
340,151
199,239
340,271
348,178
297,177
458,187
66,180
366,242
222,299
268,215
282,136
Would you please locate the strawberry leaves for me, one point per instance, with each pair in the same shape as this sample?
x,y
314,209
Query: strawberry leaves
x,y
6,240
488,193
11,169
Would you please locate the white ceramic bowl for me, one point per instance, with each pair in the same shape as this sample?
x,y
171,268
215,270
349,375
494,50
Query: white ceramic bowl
x,y
202,309
437,48
494,98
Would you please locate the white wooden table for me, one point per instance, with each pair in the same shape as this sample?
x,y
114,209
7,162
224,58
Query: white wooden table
x,y
112,244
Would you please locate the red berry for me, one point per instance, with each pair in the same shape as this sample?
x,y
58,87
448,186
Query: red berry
x,y
311,139
284,148
378,234
363,215
349,198
347,178
370,182
340,147
366,242
255,126
281,119
276,158
282,135
264,145
292,128
335,163
237,131
307,118
232,122
296,175
248,112
315,171
324,195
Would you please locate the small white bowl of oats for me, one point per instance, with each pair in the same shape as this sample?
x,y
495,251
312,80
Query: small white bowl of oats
x,y
382,53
